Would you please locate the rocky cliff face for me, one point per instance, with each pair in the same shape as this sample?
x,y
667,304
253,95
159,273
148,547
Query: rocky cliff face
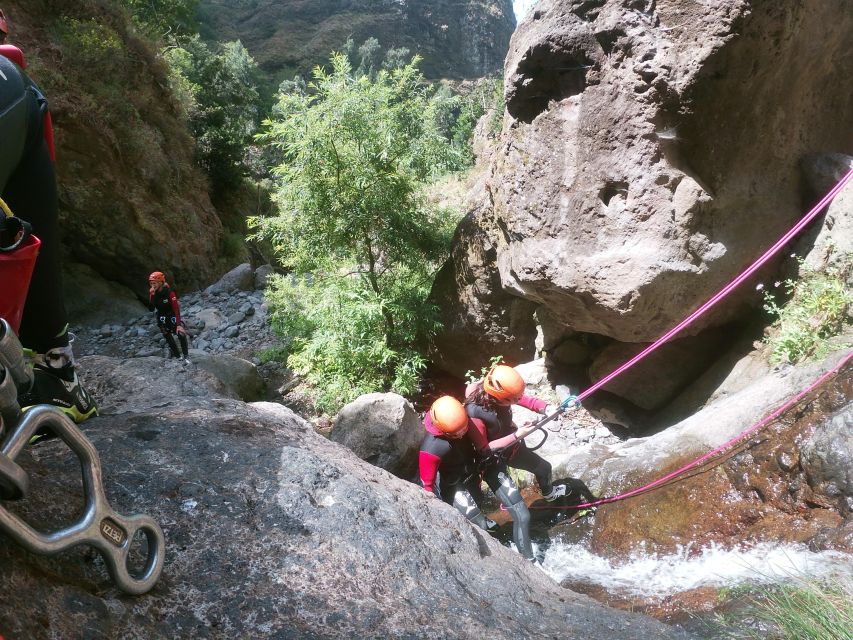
x,y
649,151
457,39
131,196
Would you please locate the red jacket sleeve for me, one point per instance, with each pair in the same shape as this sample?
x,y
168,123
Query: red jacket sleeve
x,y
428,464
479,437
534,404
176,307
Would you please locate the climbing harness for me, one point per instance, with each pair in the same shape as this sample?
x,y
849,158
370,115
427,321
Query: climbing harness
x,y
18,251
101,527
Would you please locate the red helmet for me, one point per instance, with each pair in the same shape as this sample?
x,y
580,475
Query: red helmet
x,y
504,383
157,276
4,26
449,416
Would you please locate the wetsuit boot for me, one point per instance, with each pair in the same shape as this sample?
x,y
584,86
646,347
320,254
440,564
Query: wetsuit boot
x,y
509,495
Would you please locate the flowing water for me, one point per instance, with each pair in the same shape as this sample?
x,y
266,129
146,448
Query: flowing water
x,y
657,576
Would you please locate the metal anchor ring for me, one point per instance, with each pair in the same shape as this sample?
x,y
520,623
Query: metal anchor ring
x,y
99,526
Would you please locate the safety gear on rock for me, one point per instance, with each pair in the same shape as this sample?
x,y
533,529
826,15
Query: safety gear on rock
x,y
55,382
157,276
504,383
557,491
449,416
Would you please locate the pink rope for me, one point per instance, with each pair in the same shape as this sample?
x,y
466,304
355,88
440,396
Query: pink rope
x,y
726,445
806,219
725,290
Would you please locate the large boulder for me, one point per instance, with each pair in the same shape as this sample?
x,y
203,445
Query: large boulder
x,y
830,244
240,278
238,374
85,292
273,531
383,429
647,154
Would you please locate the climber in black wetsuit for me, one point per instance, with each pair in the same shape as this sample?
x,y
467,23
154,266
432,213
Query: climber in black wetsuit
x,y
167,311
446,460
28,187
449,449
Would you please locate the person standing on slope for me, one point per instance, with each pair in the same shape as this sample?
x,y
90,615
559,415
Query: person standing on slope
x,y
167,310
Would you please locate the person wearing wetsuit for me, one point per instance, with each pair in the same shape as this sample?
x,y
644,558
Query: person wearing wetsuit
x,y
28,186
167,310
448,448
447,465
489,405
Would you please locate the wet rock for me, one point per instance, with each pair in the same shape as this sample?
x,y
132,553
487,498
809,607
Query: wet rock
x,y
383,429
748,495
827,456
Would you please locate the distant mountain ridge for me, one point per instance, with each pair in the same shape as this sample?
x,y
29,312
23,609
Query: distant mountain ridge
x,y
456,38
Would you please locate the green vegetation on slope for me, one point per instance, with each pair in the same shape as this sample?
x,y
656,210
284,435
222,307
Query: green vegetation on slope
x,y
354,229
815,311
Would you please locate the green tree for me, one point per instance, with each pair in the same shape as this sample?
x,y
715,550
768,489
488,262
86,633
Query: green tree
x,y
164,18
360,241
219,91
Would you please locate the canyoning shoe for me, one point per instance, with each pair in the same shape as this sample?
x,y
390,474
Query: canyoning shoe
x,y
557,491
60,387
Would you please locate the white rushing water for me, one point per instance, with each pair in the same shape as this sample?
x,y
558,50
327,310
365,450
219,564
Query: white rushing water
x,y
657,576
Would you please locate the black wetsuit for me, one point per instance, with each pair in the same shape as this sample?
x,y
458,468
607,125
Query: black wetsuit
x,y
498,423
28,186
448,469
167,311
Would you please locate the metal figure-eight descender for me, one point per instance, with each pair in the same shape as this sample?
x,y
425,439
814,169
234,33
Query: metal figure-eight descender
x,y
99,526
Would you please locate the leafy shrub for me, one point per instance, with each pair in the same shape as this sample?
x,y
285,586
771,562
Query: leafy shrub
x,y
217,88
96,45
815,311
354,230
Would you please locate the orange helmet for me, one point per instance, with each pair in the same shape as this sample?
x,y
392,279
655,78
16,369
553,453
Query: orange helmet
x,y
157,276
448,415
504,383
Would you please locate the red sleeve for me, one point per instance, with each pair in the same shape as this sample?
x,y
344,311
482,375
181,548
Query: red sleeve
x,y
481,440
534,404
48,136
428,464
477,434
176,307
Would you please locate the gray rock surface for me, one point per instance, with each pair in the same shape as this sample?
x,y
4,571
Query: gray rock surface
x,y
240,278
84,292
827,457
630,155
274,532
383,429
